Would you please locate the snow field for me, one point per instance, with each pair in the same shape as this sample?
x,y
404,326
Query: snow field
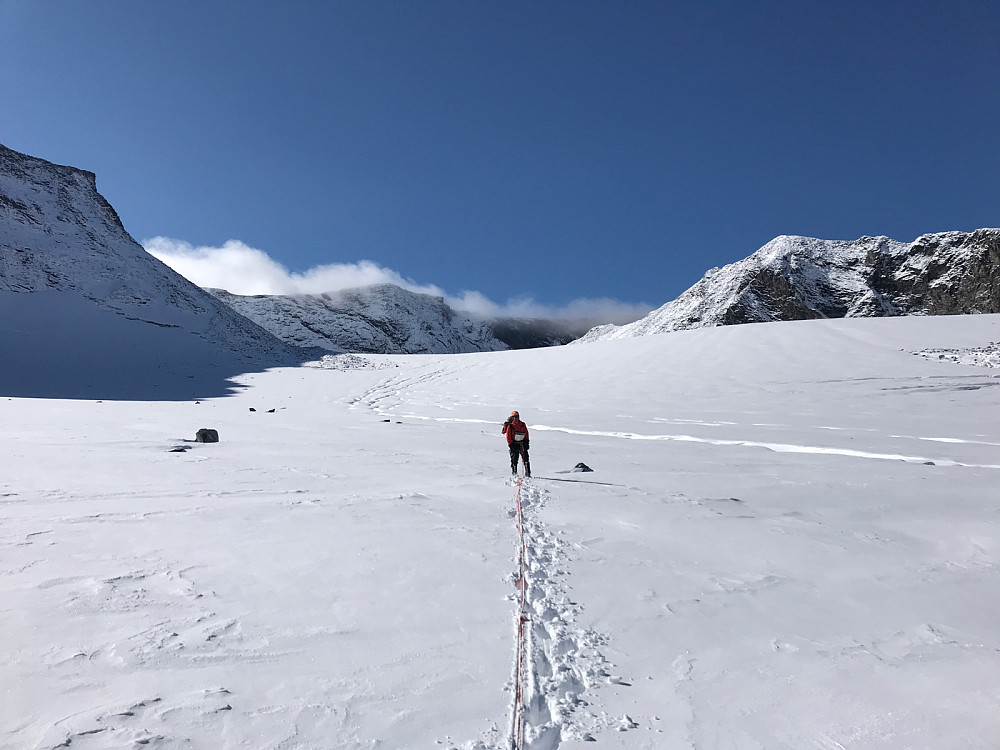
x,y
789,540
258,566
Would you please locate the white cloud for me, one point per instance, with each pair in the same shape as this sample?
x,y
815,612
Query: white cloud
x,y
601,309
241,269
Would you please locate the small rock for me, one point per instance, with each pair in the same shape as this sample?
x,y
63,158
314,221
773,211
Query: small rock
x,y
205,435
626,723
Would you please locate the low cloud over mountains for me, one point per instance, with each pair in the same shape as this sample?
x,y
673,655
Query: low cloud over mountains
x,y
244,270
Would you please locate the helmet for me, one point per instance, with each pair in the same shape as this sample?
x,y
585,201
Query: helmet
x,y
514,414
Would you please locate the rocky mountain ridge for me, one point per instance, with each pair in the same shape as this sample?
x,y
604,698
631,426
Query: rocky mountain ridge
x,y
800,278
382,318
58,234
387,319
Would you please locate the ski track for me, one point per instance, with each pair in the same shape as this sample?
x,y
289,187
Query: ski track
x,y
382,398
778,447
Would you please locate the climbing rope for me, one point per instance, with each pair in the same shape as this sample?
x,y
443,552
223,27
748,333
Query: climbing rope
x,y
520,653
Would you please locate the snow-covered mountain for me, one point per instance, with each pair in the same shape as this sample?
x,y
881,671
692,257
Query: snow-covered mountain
x,y
65,257
387,319
382,318
797,278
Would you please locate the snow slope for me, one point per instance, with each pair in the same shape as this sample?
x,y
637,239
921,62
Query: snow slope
x,y
381,318
801,278
112,310
789,540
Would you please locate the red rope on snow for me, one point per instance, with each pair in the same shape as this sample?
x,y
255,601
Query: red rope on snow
x,y
520,654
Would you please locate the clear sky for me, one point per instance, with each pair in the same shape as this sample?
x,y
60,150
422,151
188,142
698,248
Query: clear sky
x,y
549,150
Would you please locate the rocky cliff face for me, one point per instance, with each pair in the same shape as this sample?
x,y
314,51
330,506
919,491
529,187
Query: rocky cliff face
x,y
535,333
946,274
382,318
58,234
798,278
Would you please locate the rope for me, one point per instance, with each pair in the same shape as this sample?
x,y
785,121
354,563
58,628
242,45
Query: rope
x,y
520,653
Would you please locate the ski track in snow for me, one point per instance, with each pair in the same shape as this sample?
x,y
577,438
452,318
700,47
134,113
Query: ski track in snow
x,y
781,447
383,397
776,447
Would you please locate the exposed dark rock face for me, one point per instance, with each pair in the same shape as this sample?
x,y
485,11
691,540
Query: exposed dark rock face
x,y
799,278
948,274
533,333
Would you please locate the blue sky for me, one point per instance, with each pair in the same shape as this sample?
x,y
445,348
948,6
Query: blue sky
x,y
555,151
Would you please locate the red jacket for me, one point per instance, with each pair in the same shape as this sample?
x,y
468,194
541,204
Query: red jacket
x,y
512,429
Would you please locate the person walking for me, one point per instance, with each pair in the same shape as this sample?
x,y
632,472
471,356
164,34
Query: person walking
x,y
517,440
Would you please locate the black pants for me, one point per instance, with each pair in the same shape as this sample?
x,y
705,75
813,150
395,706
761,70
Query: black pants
x,y
519,449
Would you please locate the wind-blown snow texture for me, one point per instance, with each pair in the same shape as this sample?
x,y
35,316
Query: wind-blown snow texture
x,y
65,256
789,540
382,318
799,278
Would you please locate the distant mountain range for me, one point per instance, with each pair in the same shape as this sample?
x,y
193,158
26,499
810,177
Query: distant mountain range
x,y
58,234
110,300
387,319
380,318
798,278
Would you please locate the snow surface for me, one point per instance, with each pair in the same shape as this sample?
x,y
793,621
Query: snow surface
x,y
979,356
789,540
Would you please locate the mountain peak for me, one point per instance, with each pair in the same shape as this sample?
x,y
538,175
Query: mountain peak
x,y
797,278
66,259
